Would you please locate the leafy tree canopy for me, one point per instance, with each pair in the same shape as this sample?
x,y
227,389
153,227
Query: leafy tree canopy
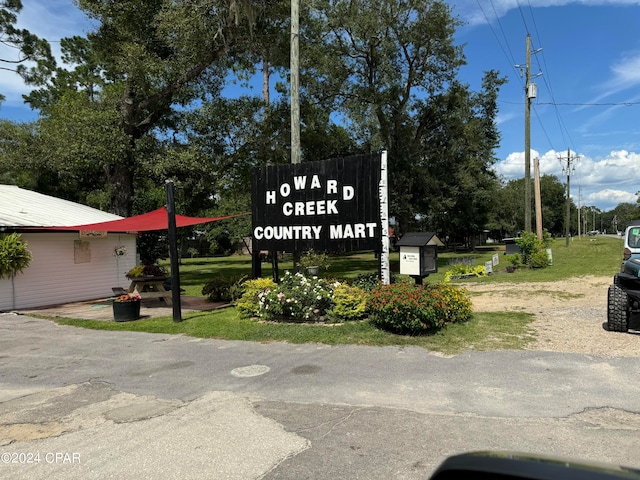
x,y
32,58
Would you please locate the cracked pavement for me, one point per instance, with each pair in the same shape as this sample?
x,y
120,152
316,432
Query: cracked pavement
x,y
99,404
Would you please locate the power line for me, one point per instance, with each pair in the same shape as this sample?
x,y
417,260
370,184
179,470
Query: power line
x,y
510,58
542,126
611,104
526,27
606,104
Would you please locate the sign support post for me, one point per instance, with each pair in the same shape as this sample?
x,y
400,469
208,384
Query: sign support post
x,y
385,269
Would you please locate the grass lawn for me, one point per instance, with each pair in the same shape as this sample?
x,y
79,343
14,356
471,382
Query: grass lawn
x,y
600,256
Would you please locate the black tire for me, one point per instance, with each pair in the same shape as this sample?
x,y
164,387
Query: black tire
x,y
617,309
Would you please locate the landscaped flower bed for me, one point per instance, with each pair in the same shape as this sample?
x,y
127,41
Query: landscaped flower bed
x,y
401,308
408,309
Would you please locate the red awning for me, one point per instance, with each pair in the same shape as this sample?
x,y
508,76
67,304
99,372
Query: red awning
x,y
155,220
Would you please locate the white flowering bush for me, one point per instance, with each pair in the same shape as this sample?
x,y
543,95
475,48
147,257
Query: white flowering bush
x,y
297,298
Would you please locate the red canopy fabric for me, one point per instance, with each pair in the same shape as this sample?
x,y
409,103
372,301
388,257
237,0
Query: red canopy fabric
x,y
155,220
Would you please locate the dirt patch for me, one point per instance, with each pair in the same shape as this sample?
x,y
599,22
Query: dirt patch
x,y
570,315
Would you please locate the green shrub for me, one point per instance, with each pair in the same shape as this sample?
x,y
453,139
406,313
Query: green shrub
x,y
413,310
247,305
237,289
350,303
515,260
297,298
311,258
221,289
539,259
366,281
533,251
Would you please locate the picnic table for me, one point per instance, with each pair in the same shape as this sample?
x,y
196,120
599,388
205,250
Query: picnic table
x,y
150,287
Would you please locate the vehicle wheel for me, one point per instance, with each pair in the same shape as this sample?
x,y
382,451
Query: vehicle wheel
x,y
617,309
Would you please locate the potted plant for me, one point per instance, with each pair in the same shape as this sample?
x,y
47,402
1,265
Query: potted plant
x,y
313,261
14,258
144,271
126,307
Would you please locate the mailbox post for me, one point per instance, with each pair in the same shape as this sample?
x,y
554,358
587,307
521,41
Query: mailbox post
x,y
419,254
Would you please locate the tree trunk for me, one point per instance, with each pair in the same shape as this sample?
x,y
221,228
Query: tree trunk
x,y
120,179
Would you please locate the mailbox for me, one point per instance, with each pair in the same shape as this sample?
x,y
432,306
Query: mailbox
x,y
419,254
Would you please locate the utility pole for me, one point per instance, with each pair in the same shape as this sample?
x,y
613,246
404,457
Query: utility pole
x,y
530,90
527,140
295,81
536,181
579,211
567,217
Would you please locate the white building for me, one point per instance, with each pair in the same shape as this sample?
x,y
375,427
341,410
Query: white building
x,y
66,266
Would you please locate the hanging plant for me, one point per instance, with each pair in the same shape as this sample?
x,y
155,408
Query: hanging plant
x,y
14,255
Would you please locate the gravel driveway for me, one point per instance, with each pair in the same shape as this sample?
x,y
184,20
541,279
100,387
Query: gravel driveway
x,y
571,315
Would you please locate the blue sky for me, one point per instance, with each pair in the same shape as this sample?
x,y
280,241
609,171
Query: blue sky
x,y
588,96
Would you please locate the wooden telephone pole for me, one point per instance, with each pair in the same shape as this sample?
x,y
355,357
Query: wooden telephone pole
x,y
531,91
527,141
569,170
538,199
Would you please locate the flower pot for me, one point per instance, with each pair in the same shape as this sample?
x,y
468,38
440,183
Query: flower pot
x,y
126,311
313,270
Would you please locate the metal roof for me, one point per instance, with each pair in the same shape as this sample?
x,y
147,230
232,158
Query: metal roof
x,y
24,208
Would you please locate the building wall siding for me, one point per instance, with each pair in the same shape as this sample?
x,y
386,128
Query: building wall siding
x,y
63,270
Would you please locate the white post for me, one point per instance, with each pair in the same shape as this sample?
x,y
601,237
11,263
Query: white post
x,y
385,269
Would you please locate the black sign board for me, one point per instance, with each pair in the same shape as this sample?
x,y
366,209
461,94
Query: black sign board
x,y
329,205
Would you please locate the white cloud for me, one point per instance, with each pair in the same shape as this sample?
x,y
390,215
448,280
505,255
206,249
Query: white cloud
x,y
607,199
474,12
619,168
604,182
626,72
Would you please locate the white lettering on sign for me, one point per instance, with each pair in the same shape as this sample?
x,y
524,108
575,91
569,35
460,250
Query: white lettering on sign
x,y
294,232
300,183
357,230
311,207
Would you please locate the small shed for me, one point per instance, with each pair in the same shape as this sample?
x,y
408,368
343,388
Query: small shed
x,y
66,266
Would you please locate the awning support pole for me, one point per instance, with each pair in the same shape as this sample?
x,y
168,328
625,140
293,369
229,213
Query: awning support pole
x,y
173,252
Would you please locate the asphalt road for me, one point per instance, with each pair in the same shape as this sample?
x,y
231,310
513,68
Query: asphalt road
x,y
83,404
